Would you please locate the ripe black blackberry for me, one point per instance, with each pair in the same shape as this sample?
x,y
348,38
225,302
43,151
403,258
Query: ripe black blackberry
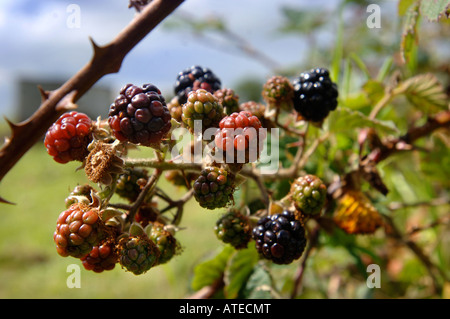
x,y
315,95
194,78
280,238
140,115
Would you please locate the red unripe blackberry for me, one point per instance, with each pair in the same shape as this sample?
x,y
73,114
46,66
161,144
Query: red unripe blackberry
x,y
238,137
214,187
280,238
102,257
315,95
67,139
78,230
140,115
194,78
137,254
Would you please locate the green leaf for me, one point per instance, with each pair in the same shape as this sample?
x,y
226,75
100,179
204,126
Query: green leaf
x,y
425,92
344,119
434,10
259,284
238,270
206,273
409,36
375,90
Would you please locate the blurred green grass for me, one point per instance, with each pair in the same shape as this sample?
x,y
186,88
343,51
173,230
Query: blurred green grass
x,y
30,266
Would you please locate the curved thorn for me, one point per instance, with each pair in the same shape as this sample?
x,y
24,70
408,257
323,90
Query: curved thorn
x,y
44,94
4,201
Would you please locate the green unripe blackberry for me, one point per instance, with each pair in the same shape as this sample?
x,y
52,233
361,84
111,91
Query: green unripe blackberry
x,y
233,228
308,194
229,100
165,241
203,106
278,92
137,254
214,187
129,184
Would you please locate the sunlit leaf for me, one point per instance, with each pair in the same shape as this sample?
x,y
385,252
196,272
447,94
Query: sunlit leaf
x,y
425,92
434,10
344,119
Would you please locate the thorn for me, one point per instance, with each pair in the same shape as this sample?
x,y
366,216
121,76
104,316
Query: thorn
x,y
44,94
14,127
4,201
98,50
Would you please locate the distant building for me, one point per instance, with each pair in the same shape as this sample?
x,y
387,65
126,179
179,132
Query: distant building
x,y
94,103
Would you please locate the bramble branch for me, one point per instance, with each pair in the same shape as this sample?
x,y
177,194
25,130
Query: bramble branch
x,y
106,59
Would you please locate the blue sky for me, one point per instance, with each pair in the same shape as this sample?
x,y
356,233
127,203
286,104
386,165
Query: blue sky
x,y
36,42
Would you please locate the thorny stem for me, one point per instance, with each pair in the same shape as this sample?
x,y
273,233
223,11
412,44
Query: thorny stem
x,y
106,59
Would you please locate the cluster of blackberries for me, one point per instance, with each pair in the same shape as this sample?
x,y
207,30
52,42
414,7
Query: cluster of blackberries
x,y
139,115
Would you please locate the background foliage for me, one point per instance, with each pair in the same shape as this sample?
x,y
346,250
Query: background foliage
x,y
404,75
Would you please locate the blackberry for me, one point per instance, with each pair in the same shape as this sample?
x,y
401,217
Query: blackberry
x,y
229,100
140,115
137,254
278,92
194,78
203,106
280,238
308,194
78,230
102,257
233,228
165,241
238,138
214,187
129,183
258,110
175,109
315,95
67,139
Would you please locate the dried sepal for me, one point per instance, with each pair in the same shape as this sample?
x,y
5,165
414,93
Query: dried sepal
x,y
102,162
